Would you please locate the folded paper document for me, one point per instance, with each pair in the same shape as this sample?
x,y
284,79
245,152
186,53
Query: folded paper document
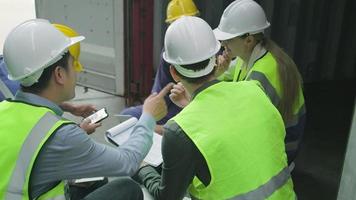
x,y
120,133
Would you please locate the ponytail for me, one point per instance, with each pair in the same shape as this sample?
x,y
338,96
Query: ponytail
x,y
289,76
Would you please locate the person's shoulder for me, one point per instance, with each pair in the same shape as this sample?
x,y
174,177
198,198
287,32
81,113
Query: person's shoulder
x,y
70,133
268,59
267,65
172,127
173,132
176,142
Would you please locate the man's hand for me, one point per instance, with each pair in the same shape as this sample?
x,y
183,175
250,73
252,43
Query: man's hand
x,y
155,103
159,129
81,110
223,63
88,126
143,164
179,95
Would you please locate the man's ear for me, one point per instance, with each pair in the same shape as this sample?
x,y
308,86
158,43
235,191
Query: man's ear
x,y
174,74
59,75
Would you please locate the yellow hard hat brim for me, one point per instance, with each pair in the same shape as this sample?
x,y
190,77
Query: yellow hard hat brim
x,y
74,50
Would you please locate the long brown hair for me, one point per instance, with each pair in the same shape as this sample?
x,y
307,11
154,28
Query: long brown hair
x,y
289,75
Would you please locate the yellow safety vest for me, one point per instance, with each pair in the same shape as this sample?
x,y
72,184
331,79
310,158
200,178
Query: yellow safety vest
x,y
265,71
24,129
241,136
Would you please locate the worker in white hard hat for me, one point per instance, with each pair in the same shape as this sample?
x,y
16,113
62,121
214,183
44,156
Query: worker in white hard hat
x,y
241,31
175,9
210,147
8,88
39,148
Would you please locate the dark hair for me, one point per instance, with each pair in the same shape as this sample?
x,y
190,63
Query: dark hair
x,y
289,75
197,67
43,81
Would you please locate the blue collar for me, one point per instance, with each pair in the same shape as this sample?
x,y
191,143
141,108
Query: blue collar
x,y
38,100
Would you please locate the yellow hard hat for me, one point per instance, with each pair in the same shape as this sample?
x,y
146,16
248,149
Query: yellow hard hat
x,y
178,8
74,50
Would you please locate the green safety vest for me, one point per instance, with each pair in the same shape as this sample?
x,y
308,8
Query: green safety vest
x,y
265,71
24,129
241,136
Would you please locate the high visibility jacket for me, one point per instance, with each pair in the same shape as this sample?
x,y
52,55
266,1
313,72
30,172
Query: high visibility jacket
x,y
241,136
265,71
24,129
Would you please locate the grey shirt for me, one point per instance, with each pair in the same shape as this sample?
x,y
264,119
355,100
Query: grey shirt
x,y
70,153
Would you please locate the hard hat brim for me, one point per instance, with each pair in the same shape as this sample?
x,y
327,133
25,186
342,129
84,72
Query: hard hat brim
x,y
222,36
196,60
73,40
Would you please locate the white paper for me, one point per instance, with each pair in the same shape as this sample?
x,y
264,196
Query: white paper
x,y
122,127
120,133
154,156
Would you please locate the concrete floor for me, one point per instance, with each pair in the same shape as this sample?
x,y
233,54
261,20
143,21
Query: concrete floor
x,y
319,163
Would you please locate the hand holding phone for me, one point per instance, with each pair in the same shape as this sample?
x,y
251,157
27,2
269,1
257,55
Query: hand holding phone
x,y
98,116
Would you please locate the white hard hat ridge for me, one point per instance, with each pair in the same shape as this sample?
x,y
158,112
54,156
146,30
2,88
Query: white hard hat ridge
x,y
239,18
31,47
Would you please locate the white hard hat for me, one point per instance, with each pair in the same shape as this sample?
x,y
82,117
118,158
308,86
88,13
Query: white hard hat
x,y
239,18
31,47
189,40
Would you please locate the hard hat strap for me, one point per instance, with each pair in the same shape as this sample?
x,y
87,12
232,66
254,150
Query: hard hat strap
x,y
196,74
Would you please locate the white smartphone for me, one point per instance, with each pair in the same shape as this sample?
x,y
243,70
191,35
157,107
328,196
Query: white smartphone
x,y
98,116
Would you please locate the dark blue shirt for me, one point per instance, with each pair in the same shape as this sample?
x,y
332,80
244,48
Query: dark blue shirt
x,y
12,85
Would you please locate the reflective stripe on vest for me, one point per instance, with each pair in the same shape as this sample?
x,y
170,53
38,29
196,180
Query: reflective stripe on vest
x,y
24,130
267,189
268,87
5,90
265,71
28,150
